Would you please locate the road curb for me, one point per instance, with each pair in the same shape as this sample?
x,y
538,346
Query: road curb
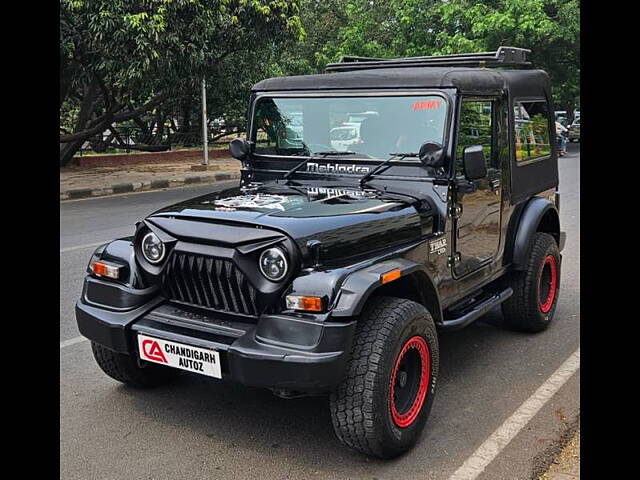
x,y
73,194
543,461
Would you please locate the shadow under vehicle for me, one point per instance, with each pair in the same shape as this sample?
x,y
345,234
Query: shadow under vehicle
x,y
331,272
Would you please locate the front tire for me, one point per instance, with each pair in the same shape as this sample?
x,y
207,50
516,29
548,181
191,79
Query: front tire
x,y
535,290
382,405
126,369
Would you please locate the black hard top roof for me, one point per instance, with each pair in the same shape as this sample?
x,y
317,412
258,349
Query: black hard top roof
x,y
522,83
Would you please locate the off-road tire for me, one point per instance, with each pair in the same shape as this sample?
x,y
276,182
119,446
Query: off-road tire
x,y
361,405
524,311
125,368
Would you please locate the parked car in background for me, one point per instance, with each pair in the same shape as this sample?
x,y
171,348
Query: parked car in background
x,y
358,118
342,138
574,131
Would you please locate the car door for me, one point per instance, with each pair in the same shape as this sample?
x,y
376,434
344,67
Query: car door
x,y
476,209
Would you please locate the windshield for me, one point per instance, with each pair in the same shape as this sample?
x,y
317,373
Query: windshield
x,y
374,127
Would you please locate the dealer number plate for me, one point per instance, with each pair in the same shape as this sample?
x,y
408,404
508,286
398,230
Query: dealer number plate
x,y
179,355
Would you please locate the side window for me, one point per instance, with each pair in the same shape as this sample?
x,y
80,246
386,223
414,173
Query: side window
x,y
476,128
531,130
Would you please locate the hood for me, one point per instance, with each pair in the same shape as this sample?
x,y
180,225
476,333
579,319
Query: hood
x,y
347,221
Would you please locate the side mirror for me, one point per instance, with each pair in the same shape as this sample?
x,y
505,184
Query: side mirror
x,y
431,154
239,148
475,166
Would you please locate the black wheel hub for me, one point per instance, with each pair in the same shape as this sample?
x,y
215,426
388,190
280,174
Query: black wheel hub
x,y
407,380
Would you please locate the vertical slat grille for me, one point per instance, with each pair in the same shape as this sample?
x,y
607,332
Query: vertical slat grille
x,y
207,282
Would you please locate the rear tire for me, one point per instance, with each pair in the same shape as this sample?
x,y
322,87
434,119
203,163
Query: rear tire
x,y
382,405
535,290
125,368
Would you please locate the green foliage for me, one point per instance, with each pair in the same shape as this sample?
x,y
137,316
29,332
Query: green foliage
x,y
121,54
124,53
129,41
397,28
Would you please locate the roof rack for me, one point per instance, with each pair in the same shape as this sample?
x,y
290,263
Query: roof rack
x,y
503,57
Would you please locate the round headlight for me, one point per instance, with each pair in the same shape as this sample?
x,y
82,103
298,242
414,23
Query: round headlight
x,y
152,248
273,264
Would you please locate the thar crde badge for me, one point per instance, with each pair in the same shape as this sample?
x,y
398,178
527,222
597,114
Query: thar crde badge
x,y
438,247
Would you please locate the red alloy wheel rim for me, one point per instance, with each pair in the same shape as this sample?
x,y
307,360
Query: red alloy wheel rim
x,y
551,267
417,351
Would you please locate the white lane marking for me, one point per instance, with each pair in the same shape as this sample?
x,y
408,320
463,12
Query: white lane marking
x,y
72,341
498,440
80,247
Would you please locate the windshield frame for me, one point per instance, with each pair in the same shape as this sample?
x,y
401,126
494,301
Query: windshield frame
x,y
448,98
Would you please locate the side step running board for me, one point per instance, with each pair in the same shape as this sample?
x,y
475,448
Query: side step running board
x,y
477,311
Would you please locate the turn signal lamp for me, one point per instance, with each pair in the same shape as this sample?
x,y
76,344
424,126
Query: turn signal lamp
x,y
390,276
106,269
307,304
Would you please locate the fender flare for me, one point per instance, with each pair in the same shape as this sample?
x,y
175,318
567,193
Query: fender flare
x,y
528,224
358,287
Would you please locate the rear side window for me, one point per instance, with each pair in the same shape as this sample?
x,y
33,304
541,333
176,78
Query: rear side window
x,y
531,121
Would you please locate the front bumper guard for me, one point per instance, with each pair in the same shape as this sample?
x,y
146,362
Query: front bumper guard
x,y
281,352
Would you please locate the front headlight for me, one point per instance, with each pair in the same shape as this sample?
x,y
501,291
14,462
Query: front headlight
x,y
152,248
273,264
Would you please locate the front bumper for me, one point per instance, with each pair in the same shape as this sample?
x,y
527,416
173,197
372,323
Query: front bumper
x,y
281,352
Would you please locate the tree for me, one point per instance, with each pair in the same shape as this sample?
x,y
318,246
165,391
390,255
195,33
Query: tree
x,y
140,62
397,28
122,58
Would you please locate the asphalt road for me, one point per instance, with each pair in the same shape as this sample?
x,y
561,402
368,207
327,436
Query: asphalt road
x,y
198,428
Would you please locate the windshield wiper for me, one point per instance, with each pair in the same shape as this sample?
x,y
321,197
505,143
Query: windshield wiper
x,y
394,156
336,152
322,156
